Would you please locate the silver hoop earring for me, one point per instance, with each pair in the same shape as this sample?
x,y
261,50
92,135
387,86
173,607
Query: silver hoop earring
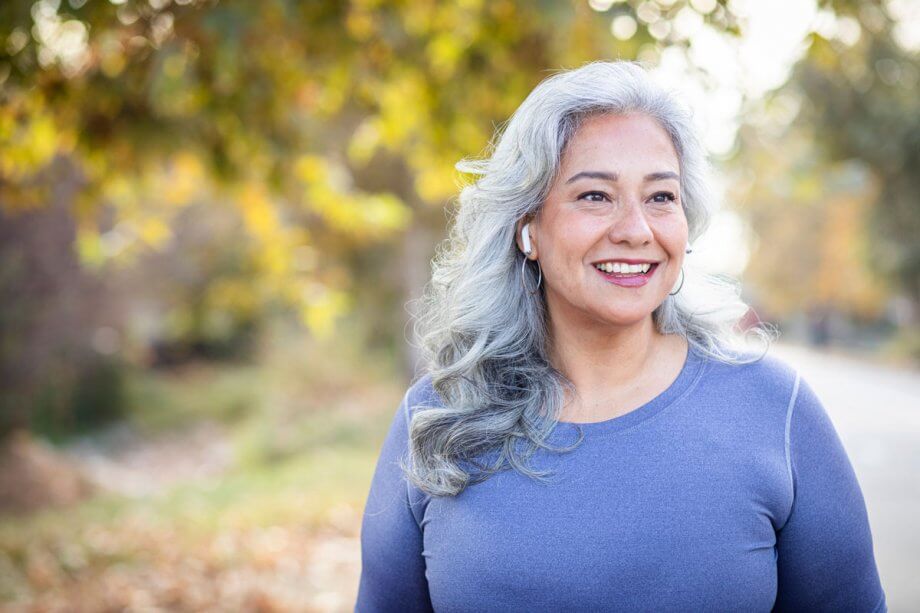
x,y
681,283
524,274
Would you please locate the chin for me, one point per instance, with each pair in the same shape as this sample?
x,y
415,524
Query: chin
x,y
625,320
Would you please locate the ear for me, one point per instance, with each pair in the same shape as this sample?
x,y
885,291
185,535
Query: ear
x,y
518,239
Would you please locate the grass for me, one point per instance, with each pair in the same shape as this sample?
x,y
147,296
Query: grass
x,y
167,401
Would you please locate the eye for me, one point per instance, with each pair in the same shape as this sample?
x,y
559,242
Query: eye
x,y
593,196
663,197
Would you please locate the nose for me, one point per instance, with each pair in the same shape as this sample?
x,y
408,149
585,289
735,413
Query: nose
x,y
630,226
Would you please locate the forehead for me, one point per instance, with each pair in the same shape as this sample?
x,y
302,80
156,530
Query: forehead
x,y
618,139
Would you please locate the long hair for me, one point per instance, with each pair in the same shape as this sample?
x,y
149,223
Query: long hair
x,y
483,337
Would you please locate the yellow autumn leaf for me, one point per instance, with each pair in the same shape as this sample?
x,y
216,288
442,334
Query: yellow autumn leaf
x,y
310,168
320,312
89,247
154,232
364,141
258,211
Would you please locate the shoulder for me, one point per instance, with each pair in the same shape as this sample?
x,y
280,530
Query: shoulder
x,y
421,394
762,383
765,371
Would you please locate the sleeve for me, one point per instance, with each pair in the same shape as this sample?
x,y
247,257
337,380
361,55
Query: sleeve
x,y
392,566
825,560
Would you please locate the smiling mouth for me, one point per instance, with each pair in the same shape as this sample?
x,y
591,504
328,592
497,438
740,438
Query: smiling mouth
x,y
628,279
618,271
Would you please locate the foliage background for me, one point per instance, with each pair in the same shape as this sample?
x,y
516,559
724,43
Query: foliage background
x,y
212,215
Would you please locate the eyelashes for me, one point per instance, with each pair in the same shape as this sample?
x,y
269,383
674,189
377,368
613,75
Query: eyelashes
x,y
595,196
668,196
585,196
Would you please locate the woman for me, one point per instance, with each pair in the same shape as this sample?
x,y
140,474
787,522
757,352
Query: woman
x,y
591,434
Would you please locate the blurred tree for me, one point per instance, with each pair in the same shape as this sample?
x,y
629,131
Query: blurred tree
x,y
285,110
861,102
810,249
50,310
827,172
327,130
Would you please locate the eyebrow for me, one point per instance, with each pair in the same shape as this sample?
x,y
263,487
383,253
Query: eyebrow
x,y
613,177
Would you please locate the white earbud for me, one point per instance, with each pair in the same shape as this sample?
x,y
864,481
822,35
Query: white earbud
x,y
525,238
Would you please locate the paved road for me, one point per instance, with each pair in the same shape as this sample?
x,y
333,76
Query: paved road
x,y
876,411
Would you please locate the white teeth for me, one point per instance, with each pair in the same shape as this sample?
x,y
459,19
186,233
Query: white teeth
x,y
623,268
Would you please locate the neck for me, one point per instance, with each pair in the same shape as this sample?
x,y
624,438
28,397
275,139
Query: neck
x,y
602,356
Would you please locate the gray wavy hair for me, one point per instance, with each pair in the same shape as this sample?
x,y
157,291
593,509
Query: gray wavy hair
x,y
483,337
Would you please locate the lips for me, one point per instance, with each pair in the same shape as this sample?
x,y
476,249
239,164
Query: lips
x,y
628,280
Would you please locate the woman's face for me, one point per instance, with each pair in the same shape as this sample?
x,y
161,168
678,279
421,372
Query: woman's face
x,y
617,197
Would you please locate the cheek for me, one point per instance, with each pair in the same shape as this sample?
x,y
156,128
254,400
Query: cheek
x,y
673,233
571,239
567,253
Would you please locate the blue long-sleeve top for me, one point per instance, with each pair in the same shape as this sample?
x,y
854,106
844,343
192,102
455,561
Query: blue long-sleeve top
x,y
729,491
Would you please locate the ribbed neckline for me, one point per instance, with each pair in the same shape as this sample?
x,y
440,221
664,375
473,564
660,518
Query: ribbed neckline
x,y
685,381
